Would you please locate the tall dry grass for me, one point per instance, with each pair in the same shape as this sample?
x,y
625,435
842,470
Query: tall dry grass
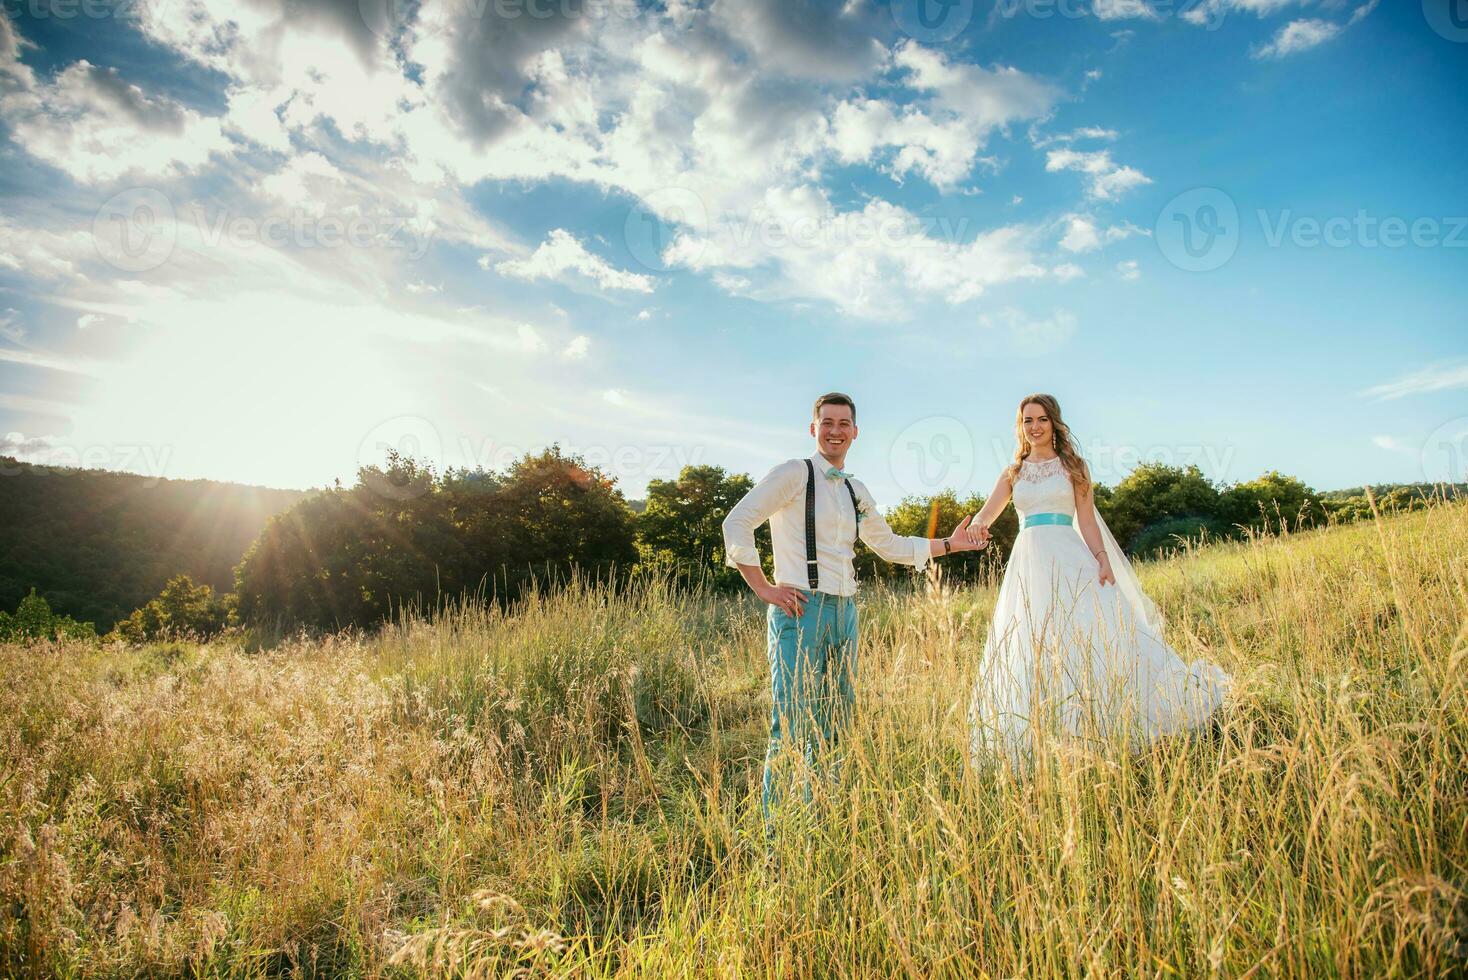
x,y
571,788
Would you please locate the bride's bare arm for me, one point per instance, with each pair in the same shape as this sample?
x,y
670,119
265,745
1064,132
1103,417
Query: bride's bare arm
x,y
994,506
1086,516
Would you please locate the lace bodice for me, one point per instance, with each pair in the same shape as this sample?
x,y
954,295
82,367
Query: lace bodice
x,y
1044,488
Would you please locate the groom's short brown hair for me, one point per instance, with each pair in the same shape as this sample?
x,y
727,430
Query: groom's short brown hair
x,y
834,398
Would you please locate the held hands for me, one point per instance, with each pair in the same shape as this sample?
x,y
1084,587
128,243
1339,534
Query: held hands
x,y
968,537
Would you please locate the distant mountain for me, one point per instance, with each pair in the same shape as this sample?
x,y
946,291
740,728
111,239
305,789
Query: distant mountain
x,y
98,544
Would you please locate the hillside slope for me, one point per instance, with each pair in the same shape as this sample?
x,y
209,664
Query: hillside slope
x,y
570,788
98,544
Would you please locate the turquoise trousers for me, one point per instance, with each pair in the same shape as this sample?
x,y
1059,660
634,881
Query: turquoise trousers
x,y
812,680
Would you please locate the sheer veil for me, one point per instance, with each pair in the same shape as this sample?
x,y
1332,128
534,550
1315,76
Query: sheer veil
x,y
1142,607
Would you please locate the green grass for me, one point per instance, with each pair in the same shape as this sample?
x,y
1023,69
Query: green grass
x,y
571,788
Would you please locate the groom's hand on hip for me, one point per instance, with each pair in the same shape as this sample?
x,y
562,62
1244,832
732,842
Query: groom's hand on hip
x,y
791,600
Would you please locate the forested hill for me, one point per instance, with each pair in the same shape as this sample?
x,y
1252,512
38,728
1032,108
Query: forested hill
x,y
98,545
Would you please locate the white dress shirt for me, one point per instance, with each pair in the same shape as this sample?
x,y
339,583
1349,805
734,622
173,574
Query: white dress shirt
x,y
780,499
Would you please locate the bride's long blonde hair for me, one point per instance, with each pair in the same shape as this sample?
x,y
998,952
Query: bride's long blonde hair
x,y
1075,467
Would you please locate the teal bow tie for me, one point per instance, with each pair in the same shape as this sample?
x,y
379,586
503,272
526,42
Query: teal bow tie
x,y
834,474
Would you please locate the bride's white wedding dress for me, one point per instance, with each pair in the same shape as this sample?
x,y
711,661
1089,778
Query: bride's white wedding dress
x,y
1068,656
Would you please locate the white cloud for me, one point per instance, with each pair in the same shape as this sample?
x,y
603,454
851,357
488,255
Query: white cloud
x,y
1074,136
254,115
1083,235
50,362
10,327
1031,336
804,40
938,136
43,253
14,76
1092,133
561,253
1068,271
1080,235
24,447
1438,377
1129,270
1299,35
94,125
1108,180
942,152
986,98
528,339
576,350
1212,12
874,262
1306,33
1394,445
644,315
1124,10
308,181
320,115
1362,12
732,284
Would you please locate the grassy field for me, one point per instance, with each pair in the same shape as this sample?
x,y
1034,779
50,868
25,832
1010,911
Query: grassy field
x,y
570,788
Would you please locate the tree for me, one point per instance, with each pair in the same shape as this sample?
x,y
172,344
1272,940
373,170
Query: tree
x,y
33,617
348,557
404,534
914,516
181,609
1271,502
1153,494
34,620
557,513
682,522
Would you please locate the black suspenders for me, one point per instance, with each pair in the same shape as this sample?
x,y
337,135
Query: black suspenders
x,y
812,571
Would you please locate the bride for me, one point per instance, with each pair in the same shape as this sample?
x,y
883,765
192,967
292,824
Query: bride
x,y
1075,647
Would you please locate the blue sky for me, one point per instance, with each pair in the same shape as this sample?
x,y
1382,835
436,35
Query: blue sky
x,y
263,242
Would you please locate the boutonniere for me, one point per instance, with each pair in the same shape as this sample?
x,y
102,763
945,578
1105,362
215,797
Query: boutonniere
x,y
861,510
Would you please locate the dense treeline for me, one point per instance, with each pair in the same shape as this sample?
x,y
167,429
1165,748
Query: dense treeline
x,y
97,545
406,534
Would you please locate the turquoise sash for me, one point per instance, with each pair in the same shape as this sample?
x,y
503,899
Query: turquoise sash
x,y
1036,520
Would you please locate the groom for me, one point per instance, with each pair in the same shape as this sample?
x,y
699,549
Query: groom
x,y
816,512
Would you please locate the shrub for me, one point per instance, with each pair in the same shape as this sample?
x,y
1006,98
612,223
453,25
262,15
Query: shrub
x,y
1169,535
181,609
34,620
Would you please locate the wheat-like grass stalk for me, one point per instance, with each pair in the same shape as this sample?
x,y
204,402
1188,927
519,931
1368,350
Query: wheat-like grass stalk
x,y
570,787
